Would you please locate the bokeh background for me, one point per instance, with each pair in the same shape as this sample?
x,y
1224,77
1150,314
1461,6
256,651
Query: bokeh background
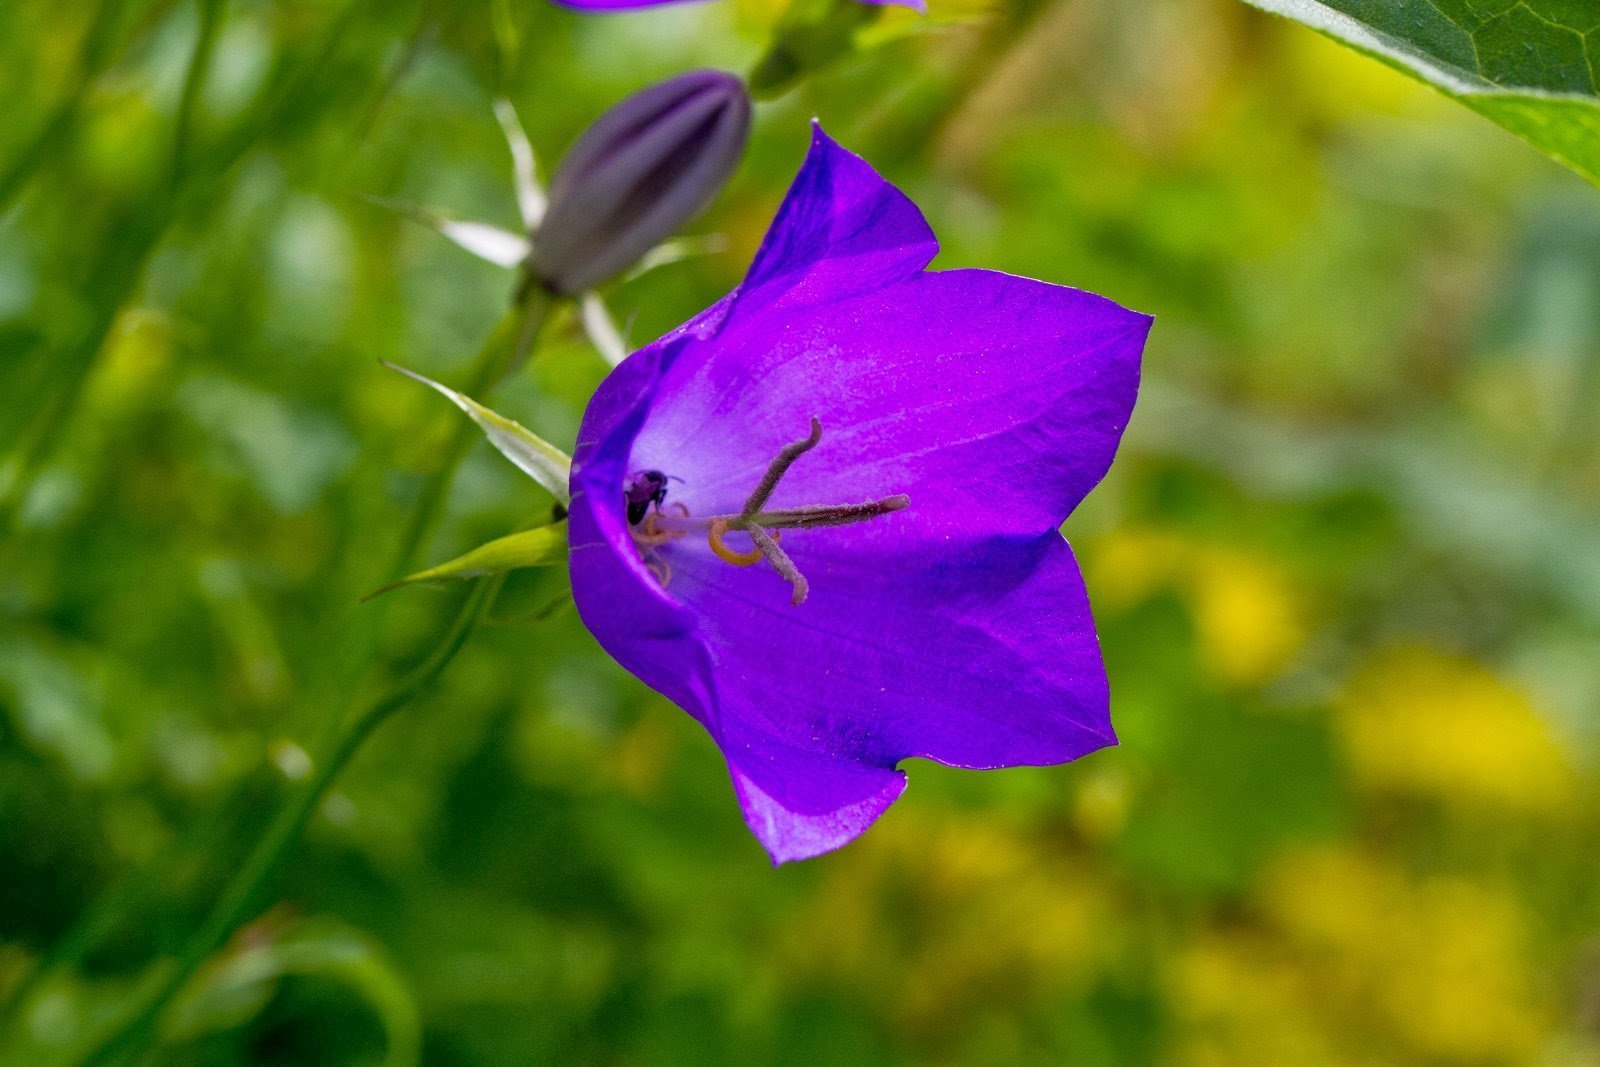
x,y
1347,566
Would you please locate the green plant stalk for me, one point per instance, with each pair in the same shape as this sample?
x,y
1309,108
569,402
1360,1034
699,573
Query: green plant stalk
x,y
505,350
234,906
194,82
510,343
95,55
115,277
507,347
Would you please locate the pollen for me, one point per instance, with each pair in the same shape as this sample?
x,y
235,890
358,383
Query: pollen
x,y
714,535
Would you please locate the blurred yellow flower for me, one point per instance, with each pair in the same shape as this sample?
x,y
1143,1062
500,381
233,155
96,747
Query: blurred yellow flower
x,y
1420,721
1132,565
1100,806
937,920
1247,617
1242,1000
1350,960
1442,962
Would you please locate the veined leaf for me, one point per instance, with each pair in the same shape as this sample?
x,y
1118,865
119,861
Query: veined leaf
x,y
542,546
533,455
1533,66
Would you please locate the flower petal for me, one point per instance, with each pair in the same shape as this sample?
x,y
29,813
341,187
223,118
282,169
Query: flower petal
x,y
996,403
616,595
840,232
984,656
799,804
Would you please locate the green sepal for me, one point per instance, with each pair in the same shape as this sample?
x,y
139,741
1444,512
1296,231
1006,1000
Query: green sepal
x,y
533,455
542,546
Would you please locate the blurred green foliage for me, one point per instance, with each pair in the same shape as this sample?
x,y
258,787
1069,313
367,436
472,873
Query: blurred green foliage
x,y
1347,567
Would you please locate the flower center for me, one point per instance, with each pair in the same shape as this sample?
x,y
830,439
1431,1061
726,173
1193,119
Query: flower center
x,y
655,524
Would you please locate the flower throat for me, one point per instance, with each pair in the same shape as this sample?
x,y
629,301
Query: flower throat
x,y
655,523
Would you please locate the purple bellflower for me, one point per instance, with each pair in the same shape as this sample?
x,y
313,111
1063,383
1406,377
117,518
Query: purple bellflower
x,y
822,516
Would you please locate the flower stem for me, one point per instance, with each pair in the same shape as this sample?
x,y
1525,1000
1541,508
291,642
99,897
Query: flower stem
x,y
194,81
95,54
117,273
506,349
233,907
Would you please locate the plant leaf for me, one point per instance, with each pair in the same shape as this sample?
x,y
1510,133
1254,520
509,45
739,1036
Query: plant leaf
x,y
1533,67
542,546
533,455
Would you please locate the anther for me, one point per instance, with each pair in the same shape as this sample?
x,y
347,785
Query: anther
x,y
830,514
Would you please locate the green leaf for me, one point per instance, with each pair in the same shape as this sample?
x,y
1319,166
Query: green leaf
x,y
543,546
1533,67
533,455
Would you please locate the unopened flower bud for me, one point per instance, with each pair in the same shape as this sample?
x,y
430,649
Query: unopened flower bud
x,y
641,171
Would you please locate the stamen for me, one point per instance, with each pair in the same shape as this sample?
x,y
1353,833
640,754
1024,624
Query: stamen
x,y
663,525
652,532
714,535
781,563
780,465
829,514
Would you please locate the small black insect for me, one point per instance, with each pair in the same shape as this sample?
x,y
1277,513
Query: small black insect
x,y
644,489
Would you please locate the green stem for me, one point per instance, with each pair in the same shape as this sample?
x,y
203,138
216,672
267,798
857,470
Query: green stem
x,y
235,904
116,275
194,81
110,283
508,345
94,56
505,350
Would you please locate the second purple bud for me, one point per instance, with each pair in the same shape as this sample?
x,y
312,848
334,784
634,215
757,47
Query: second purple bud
x,y
641,171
